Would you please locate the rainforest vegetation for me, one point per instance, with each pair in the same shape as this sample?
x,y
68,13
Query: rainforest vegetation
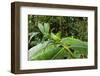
x,y
57,37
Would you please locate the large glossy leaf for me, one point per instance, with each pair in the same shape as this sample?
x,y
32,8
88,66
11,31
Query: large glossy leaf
x,y
79,47
35,49
80,50
46,53
70,41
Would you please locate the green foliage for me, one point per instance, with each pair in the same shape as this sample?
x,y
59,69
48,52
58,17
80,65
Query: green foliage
x,y
46,53
41,27
55,37
32,35
46,27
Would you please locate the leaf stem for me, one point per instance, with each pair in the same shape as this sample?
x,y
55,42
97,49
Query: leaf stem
x,y
57,54
69,51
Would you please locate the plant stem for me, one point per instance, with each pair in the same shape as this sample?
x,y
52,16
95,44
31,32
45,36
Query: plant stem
x,y
69,51
57,54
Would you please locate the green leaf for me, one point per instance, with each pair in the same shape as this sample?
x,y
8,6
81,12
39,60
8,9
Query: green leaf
x,y
46,28
77,54
62,54
54,37
41,27
32,35
79,47
36,49
69,41
58,34
46,53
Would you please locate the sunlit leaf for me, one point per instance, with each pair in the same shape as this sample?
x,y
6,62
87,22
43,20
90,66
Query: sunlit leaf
x,y
54,37
58,34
